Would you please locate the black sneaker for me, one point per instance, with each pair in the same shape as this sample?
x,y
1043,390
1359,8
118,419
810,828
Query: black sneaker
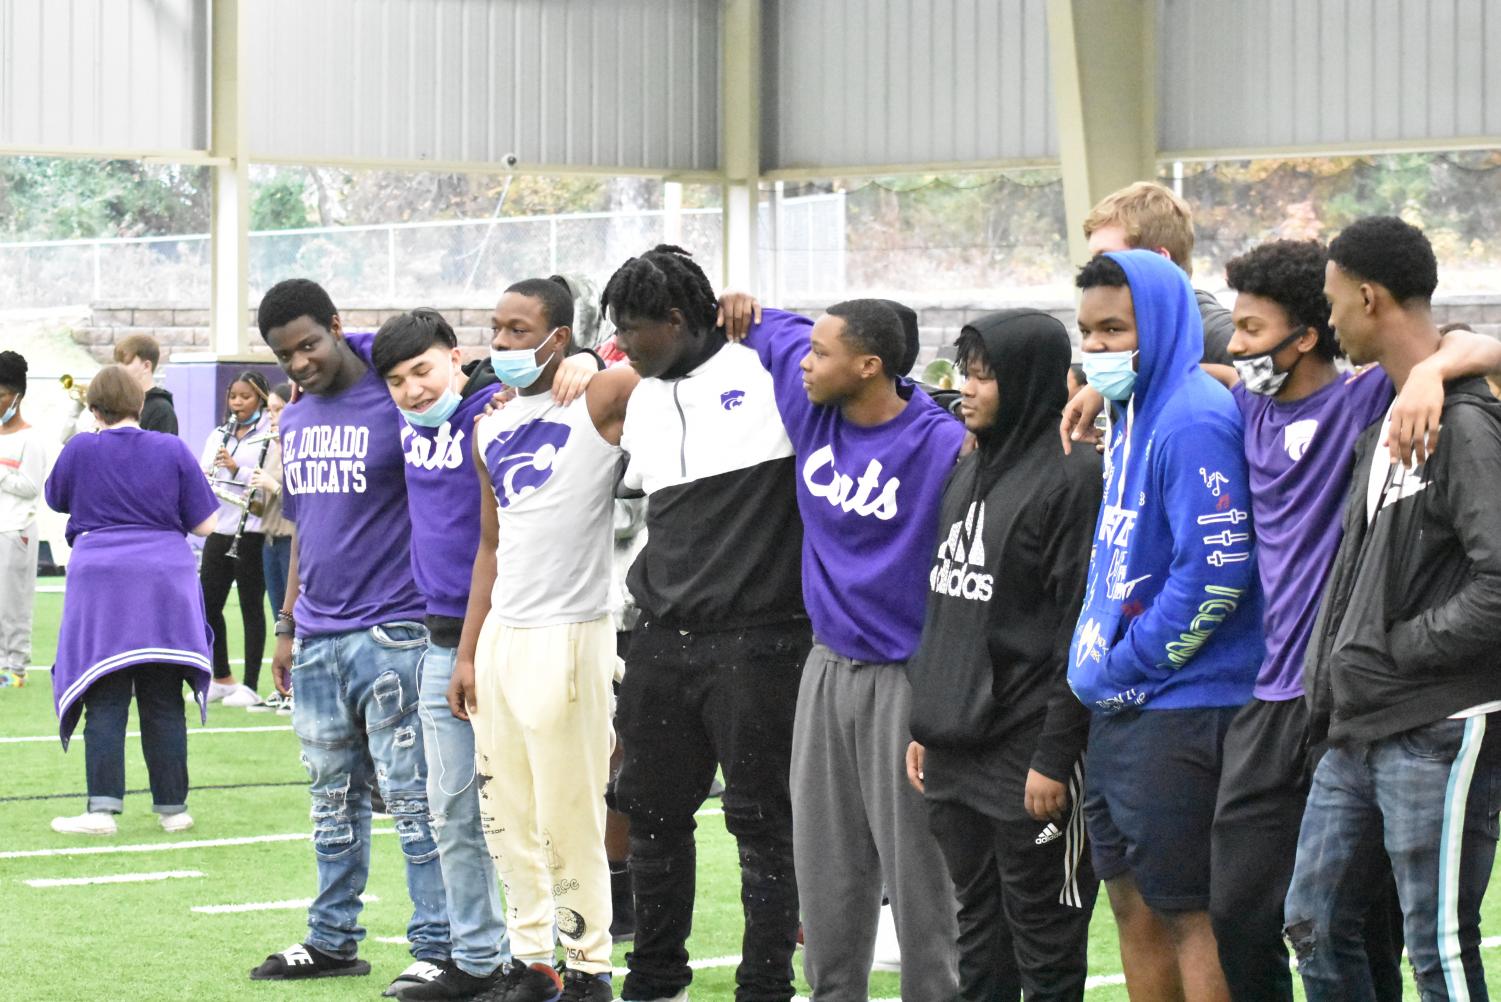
x,y
581,987
519,983
300,961
451,982
419,972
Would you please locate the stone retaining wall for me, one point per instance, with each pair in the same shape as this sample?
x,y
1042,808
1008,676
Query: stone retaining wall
x,y
185,327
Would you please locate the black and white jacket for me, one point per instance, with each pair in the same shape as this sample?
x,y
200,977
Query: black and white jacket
x,y
1409,631
723,535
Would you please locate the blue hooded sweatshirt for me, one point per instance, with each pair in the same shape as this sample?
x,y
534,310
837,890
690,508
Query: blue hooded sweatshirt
x,y
1172,611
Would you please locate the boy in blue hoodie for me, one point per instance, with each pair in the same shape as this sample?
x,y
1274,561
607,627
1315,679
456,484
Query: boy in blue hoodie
x,y
1169,639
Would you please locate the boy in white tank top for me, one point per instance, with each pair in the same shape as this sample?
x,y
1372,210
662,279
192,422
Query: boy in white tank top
x,y
537,656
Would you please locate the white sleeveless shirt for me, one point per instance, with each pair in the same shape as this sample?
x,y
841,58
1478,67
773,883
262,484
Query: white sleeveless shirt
x,y
554,479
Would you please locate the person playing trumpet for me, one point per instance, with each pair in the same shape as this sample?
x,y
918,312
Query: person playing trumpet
x,y
232,552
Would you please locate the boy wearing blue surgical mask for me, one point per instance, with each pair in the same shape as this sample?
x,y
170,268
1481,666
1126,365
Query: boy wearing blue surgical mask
x,y
417,354
440,397
1169,637
536,658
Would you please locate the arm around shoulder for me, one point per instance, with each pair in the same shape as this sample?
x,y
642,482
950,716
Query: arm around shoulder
x,y
607,397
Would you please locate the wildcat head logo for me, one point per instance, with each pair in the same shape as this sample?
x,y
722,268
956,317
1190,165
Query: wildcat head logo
x,y
730,399
522,460
1297,436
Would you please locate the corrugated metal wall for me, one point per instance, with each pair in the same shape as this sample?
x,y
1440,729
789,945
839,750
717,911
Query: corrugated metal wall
x,y
1241,74
870,82
624,83
127,74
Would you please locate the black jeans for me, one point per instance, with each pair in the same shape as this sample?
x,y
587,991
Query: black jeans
x,y
216,573
1263,789
1011,878
689,702
164,736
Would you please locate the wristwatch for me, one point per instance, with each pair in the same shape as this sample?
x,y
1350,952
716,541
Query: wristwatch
x,y
285,625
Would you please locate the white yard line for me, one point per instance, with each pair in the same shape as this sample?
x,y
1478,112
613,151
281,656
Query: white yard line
x,y
292,904
30,739
203,843
114,878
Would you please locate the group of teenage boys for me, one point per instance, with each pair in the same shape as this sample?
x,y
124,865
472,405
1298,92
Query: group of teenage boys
x,y
934,661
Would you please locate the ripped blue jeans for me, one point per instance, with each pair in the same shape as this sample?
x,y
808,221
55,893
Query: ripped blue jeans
x,y
356,716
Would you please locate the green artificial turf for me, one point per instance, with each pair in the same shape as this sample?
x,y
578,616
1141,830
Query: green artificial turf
x,y
142,941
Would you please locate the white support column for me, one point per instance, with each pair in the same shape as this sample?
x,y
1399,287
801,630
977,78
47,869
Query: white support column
x,y
672,212
229,225
1105,92
740,126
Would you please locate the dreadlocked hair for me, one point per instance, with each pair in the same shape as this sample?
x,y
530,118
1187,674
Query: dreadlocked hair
x,y
664,278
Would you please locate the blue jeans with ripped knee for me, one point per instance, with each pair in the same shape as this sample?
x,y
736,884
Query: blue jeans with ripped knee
x,y
356,713
475,911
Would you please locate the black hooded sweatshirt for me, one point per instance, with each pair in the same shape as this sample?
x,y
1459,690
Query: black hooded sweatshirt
x,y
157,413
990,694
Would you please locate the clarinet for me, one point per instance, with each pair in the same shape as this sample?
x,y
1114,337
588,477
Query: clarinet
x,y
234,545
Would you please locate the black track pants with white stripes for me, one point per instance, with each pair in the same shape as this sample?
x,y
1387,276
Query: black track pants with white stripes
x,y
1015,931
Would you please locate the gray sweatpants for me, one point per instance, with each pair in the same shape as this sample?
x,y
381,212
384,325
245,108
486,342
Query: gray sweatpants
x,y
18,551
857,825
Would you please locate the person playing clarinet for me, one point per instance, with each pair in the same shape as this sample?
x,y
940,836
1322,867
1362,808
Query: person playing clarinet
x,y
232,553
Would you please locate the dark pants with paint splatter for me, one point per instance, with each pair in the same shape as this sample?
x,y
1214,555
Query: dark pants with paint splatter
x,y
689,702
356,707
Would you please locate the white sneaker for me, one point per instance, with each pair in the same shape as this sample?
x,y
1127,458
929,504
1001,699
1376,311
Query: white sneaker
x,y
888,954
92,823
270,704
179,822
243,696
219,690
285,709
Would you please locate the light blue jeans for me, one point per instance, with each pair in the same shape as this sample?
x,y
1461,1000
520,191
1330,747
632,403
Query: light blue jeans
x,y
356,706
475,914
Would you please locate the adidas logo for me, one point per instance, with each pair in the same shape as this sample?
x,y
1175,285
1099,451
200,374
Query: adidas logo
x,y
963,550
1048,834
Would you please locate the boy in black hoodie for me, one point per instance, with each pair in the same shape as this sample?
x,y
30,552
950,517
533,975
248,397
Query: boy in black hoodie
x,y
1403,663
999,737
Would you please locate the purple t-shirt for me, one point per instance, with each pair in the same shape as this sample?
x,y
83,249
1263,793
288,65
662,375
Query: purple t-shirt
x,y
443,496
129,477
1300,455
345,490
869,499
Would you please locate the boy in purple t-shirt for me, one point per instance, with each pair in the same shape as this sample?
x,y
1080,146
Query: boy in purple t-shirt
x,y
356,615
873,453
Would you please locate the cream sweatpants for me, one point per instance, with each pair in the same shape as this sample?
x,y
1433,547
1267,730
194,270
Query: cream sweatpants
x,y
542,749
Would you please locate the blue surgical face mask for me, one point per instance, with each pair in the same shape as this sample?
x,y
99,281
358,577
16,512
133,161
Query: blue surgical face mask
x,y
251,420
10,411
519,368
1111,373
441,410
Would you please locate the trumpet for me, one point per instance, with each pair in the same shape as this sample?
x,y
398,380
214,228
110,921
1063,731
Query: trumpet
x,y
73,387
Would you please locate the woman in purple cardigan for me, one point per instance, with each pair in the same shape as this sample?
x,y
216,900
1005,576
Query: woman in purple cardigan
x,y
133,616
